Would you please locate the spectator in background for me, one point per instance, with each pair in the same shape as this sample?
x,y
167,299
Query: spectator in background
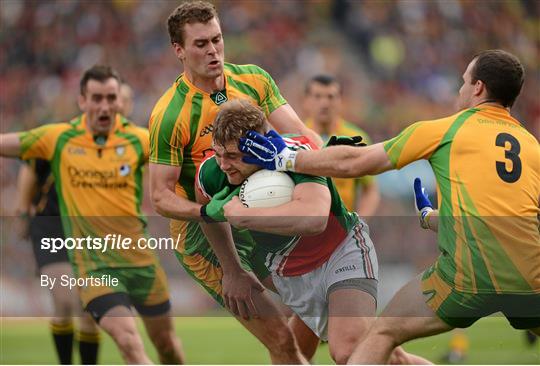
x,y
322,101
126,100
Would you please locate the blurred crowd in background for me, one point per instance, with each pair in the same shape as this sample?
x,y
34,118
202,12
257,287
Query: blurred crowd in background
x,y
399,61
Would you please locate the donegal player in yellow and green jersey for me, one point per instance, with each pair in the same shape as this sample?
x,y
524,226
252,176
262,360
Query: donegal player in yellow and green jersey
x,y
487,167
97,160
180,139
322,102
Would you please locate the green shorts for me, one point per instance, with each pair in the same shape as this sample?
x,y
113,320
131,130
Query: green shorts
x,y
461,309
144,285
202,264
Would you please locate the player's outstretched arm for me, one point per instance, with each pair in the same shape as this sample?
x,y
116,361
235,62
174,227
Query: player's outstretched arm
x,y
10,145
429,218
285,120
271,152
344,161
237,284
305,214
163,180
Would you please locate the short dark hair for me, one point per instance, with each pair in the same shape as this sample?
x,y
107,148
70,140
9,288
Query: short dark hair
x,y
235,118
501,72
323,79
100,73
189,12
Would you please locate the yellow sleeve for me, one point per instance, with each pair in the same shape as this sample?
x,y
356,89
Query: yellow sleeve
x,y
41,142
416,142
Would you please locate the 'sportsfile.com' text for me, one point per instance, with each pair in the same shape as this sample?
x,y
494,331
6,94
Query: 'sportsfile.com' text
x,y
108,242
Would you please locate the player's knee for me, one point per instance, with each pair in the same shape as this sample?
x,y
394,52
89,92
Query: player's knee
x,y
63,308
342,351
128,340
340,356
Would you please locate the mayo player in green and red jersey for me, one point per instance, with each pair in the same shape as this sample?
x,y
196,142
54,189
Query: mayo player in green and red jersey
x,y
322,261
97,160
181,138
487,167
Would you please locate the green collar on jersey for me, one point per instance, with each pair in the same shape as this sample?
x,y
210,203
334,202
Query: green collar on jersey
x,y
219,97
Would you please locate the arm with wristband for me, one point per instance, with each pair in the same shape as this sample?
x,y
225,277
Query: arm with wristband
x,y
342,161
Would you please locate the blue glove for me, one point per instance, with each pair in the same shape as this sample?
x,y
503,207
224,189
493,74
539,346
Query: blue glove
x,y
423,205
269,151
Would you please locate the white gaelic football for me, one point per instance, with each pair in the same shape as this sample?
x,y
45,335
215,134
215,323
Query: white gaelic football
x,y
266,188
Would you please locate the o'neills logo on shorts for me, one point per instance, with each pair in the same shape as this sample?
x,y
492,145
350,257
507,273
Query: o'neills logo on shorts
x,y
350,267
94,178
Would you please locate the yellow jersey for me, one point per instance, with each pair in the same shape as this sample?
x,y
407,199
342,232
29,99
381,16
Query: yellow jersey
x,y
487,168
181,127
99,187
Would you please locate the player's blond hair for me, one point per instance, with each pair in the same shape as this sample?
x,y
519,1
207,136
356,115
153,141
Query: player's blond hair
x,y
235,118
189,12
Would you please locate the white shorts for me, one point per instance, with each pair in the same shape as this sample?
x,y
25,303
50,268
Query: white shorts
x,y
352,265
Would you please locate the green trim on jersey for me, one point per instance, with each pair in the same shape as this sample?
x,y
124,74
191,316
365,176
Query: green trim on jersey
x,y
27,138
75,122
188,165
56,162
137,145
165,130
440,162
244,88
96,260
496,258
273,99
394,146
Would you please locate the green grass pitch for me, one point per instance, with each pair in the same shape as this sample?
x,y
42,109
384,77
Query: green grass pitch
x,y
211,340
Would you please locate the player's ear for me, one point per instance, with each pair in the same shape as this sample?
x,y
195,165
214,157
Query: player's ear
x,y
81,101
479,87
179,51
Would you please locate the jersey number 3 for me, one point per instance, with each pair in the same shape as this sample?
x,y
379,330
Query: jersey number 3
x,y
511,154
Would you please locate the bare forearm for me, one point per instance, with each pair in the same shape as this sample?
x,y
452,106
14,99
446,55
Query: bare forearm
x,y
343,161
313,136
168,204
280,225
281,222
10,145
163,180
